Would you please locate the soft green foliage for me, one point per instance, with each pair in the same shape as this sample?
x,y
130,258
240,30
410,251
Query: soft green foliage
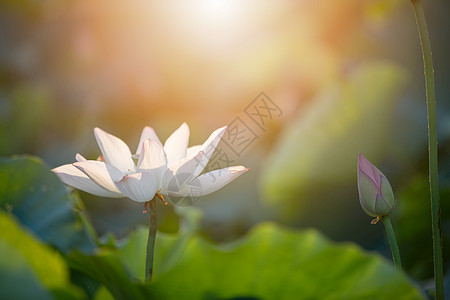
x,y
42,258
42,203
103,294
270,262
276,263
15,274
132,253
169,247
105,268
320,147
413,225
30,269
27,112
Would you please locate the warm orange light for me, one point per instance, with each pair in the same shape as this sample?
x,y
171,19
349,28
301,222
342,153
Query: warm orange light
x,y
206,26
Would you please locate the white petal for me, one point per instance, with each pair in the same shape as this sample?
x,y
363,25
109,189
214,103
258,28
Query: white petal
x,y
97,171
208,147
80,157
114,173
212,181
147,133
153,158
140,187
74,177
194,150
176,145
152,155
180,173
187,165
114,150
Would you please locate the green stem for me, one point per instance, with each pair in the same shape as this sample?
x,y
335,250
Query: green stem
x,y
392,242
150,240
432,146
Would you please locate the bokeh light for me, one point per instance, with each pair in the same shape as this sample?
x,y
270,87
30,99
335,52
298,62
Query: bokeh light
x,y
346,74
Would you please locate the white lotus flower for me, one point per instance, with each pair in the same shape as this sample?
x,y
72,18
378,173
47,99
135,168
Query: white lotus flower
x,y
172,169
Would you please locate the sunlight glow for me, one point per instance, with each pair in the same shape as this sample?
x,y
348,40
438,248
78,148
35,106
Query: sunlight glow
x,y
211,24
217,10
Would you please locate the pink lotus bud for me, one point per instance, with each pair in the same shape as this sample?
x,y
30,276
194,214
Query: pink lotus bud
x,y
375,192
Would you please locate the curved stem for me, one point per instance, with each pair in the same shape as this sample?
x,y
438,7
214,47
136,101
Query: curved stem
x,y
392,242
432,146
150,240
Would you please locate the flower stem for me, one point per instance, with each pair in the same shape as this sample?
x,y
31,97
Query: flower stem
x,y
392,242
150,241
432,146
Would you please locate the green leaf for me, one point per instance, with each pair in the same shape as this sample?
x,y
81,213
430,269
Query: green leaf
x,y
41,202
42,258
132,253
30,269
412,221
120,265
105,268
17,279
26,110
320,149
169,247
103,294
277,263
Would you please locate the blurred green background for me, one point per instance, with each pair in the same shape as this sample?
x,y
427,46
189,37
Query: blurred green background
x,y
347,75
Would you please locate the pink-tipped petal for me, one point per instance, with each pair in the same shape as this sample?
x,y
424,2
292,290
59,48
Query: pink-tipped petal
x,y
147,133
193,151
72,176
176,145
98,173
375,192
114,150
369,169
140,187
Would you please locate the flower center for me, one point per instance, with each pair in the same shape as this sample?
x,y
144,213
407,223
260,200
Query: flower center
x,y
376,220
157,195
161,197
